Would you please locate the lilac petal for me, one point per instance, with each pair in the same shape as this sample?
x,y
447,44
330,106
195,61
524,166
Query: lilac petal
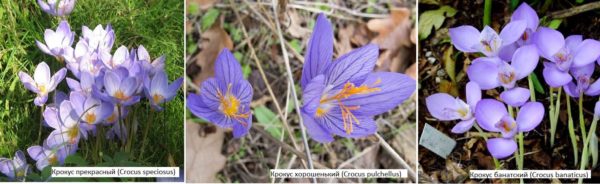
x,y
57,78
507,126
78,100
548,41
314,130
35,152
524,61
473,93
159,83
464,38
571,89
597,109
51,117
243,91
512,31
506,53
573,41
104,111
42,74
111,82
142,54
227,69
484,71
530,116
463,126
73,84
526,13
393,89
501,148
593,89
319,52
312,94
586,70
442,106
43,47
353,66
587,52
40,100
199,108
366,126
210,93
554,77
44,6
240,130
488,112
175,85
515,97
28,82
490,42
129,85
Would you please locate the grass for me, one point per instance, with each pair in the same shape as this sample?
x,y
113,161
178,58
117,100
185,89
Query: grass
x,y
156,24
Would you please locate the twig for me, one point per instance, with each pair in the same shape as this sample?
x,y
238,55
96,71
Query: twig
x,y
294,95
396,157
287,101
286,146
344,9
264,78
575,10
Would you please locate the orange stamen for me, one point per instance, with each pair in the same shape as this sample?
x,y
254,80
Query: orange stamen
x,y
230,106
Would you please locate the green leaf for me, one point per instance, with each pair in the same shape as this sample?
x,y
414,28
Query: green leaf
x,y
209,18
46,172
193,9
295,44
246,70
269,120
433,19
555,23
76,160
594,149
536,84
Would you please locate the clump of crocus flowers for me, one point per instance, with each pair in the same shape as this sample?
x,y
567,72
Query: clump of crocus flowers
x,y
507,58
103,87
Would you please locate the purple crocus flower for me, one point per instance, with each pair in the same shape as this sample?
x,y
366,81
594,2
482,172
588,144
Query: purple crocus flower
x,y
151,67
159,91
121,58
342,96
89,109
14,169
120,87
526,13
563,54
49,156
58,43
583,82
492,116
42,82
490,73
98,40
225,99
57,8
444,107
468,39
66,126
85,85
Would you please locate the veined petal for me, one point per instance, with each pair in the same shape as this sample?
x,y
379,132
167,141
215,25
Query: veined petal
x,y
530,116
548,41
319,52
587,52
488,113
463,126
501,148
554,77
174,87
526,13
354,127
464,38
43,47
524,61
484,71
515,97
28,82
240,130
312,94
209,92
314,130
227,69
443,107
353,66
56,79
597,109
571,89
473,93
393,89
243,91
51,117
512,31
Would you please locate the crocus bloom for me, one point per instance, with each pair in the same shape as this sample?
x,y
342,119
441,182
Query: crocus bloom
x,y
42,83
121,58
526,13
64,120
159,91
98,40
341,97
120,87
57,8
16,168
89,109
151,67
225,99
490,73
468,39
48,156
444,107
85,85
492,116
583,82
564,53
58,43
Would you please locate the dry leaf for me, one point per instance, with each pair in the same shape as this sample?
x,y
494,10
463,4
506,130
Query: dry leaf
x,y
296,29
394,38
204,159
212,41
203,4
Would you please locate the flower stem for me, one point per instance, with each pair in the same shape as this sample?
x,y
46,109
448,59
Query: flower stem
x,y
532,88
487,12
584,153
121,127
150,120
581,119
572,129
496,162
41,122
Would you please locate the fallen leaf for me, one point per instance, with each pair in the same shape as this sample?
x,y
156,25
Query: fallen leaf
x,y
203,151
394,39
448,87
212,41
449,63
296,28
433,19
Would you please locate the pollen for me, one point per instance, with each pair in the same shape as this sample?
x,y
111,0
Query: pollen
x,y
462,112
72,134
52,159
90,118
230,105
525,36
506,77
157,98
347,91
42,88
120,95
